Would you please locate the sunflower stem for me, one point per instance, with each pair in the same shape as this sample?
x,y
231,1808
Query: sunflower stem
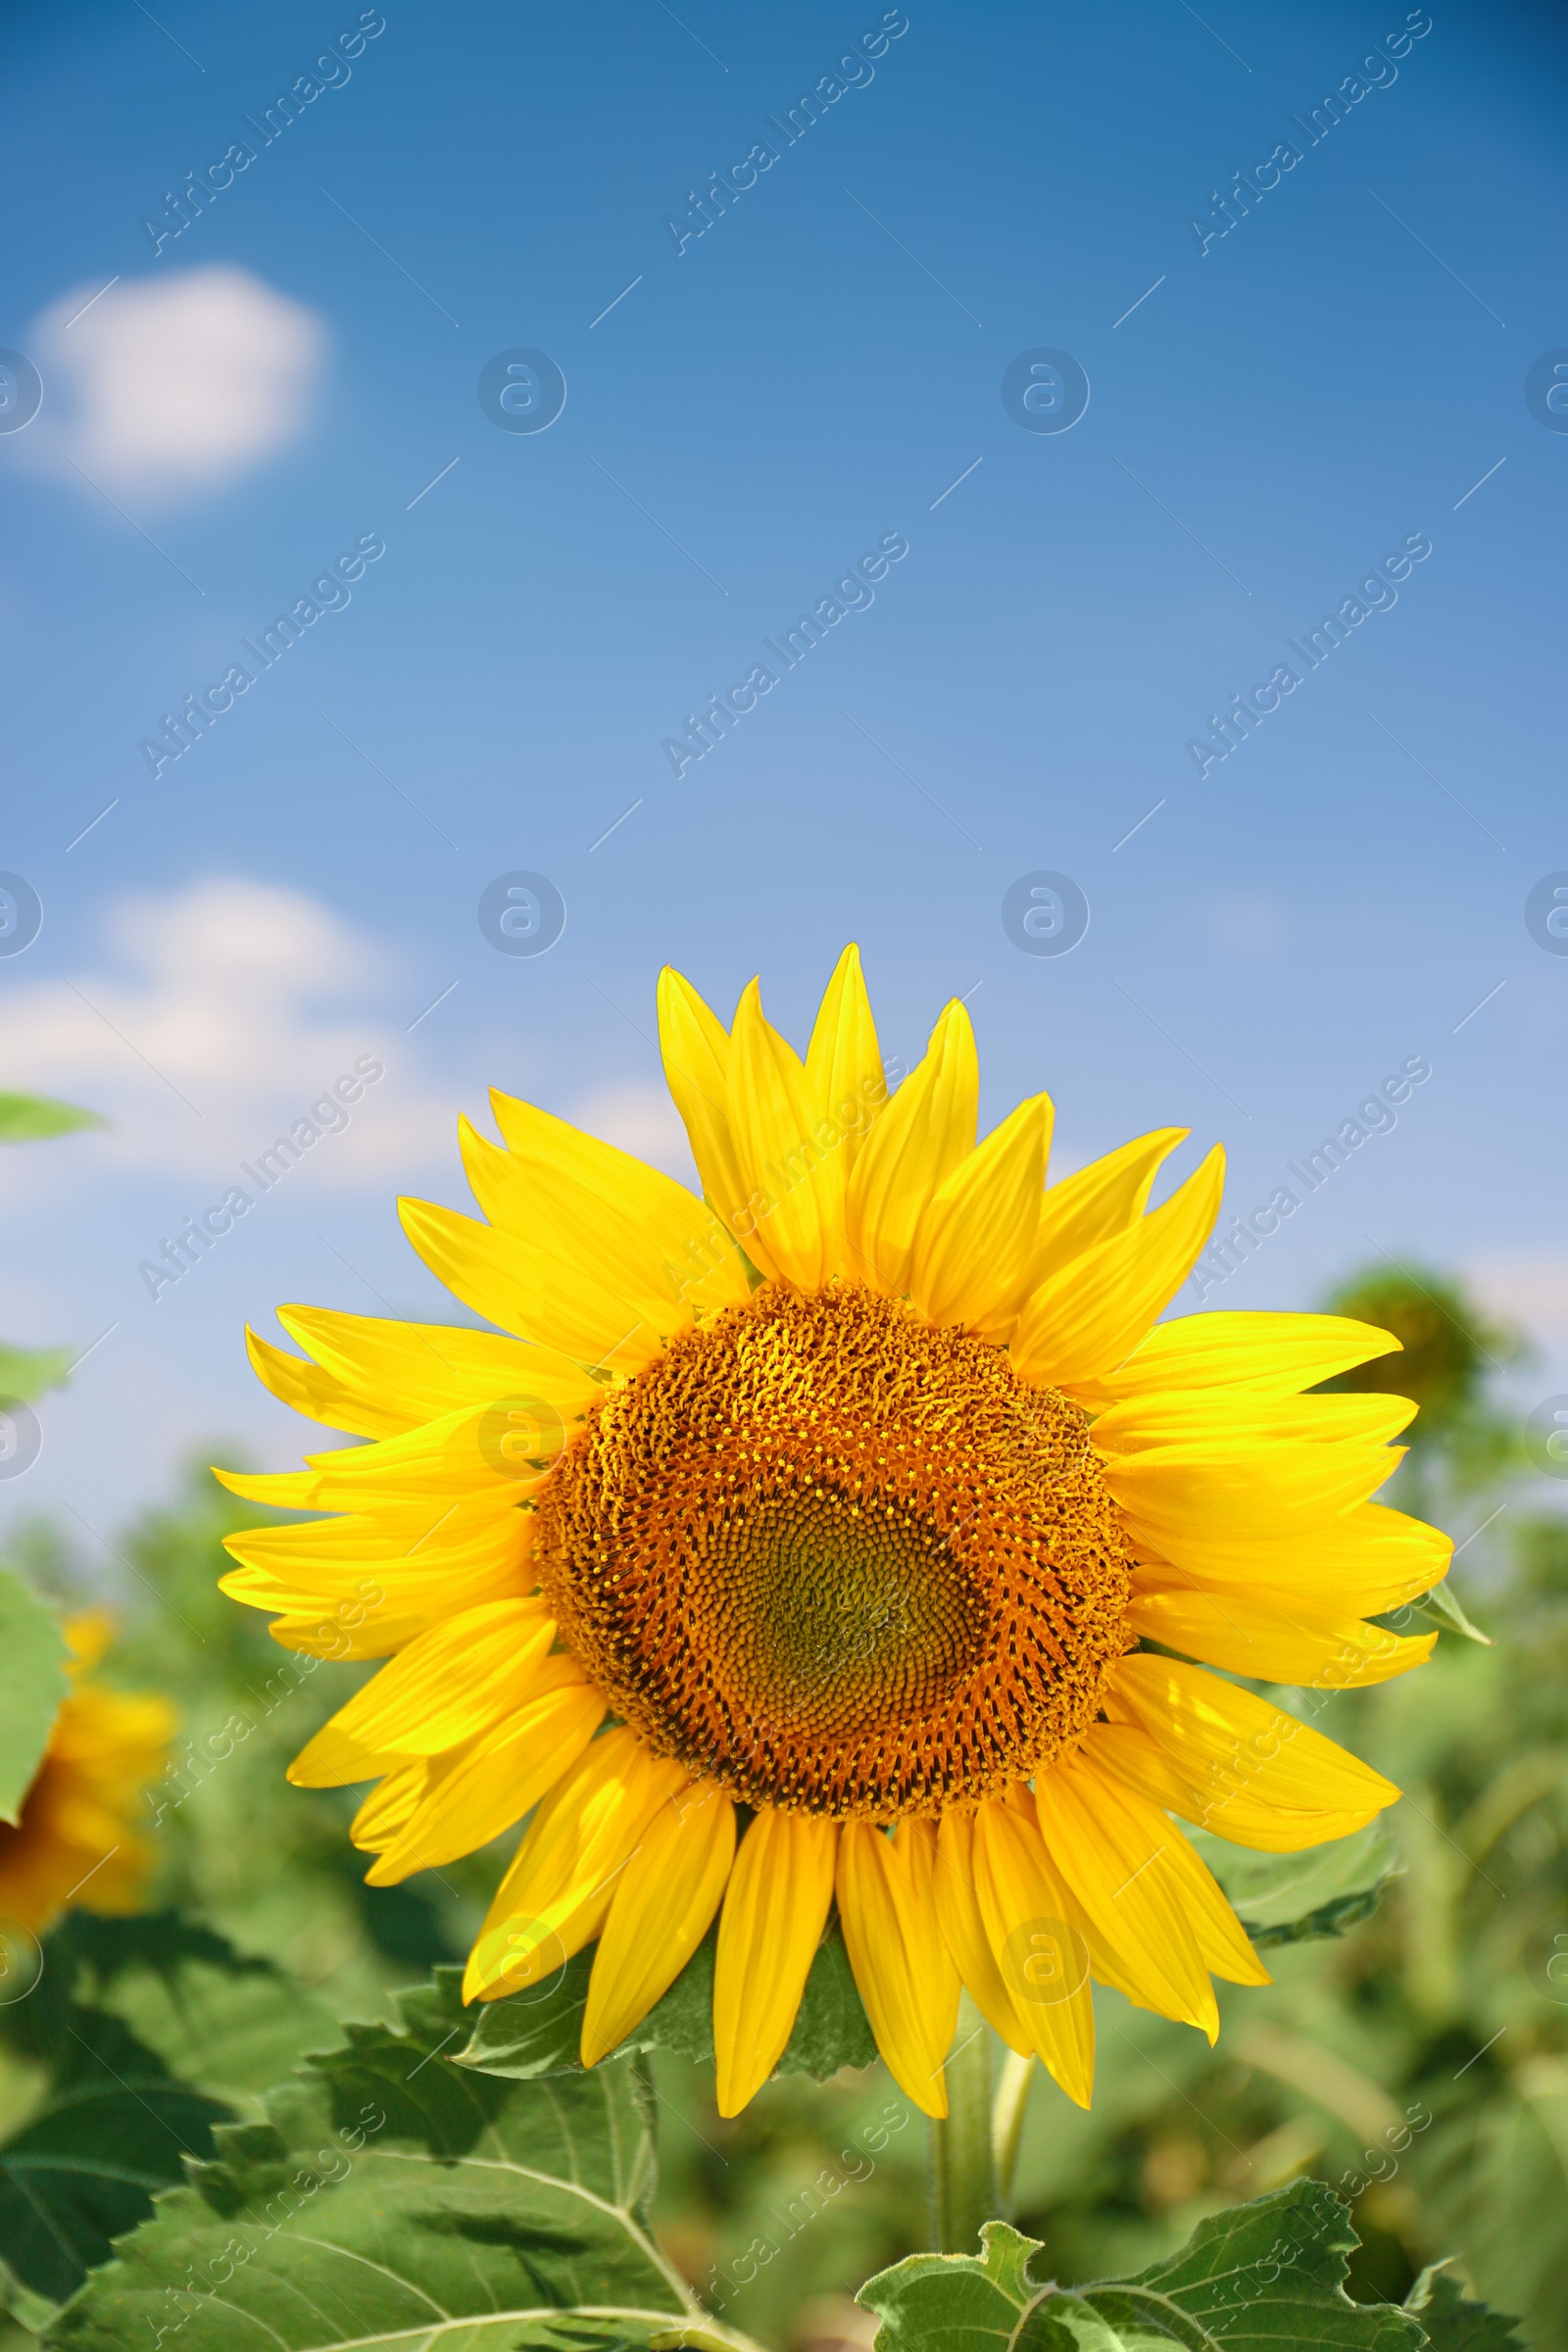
x,y
964,2177
1006,2119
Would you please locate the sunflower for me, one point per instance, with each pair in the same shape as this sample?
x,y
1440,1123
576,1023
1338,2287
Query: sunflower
x,y
77,1841
853,1535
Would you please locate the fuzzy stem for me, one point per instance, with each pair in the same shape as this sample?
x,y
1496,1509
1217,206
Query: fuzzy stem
x,y
1006,2119
963,2180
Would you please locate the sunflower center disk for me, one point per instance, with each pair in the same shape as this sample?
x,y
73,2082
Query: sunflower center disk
x,y
838,1558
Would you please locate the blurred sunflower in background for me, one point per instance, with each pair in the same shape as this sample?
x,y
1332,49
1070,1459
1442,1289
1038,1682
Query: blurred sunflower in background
x,y
853,1533
77,1838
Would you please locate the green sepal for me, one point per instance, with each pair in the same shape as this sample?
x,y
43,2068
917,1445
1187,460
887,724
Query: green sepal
x,y
526,2035
1291,1898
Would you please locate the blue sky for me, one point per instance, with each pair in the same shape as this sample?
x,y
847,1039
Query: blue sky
x,y
1272,414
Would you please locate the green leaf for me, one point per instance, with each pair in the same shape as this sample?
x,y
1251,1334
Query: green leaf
x,y
120,2106
32,1684
393,2198
528,2036
1267,2274
1290,1898
163,1942
26,1372
30,2312
831,2027
1453,2322
226,2022
525,2037
87,1960
32,1118
113,2127
1494,2177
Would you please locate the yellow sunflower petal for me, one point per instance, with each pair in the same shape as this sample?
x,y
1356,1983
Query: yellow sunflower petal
x,y
651,1223
1273,1636
447,1686
279,1489
1245,1487
380,1380
1032,1927
560,1225
963,1931
389,1806
1227,1745
843,1062
1222,1943
1242,1351
975,1239
1086,1318
303,1625
573,1230
554,1899
1221,1939
502,1449
906,1977
525,1289
1100,1201
364,1584
1114,1851
321,1395
790,1170
920,1138
659,1912
375,1625
432,1368
1232,1811
694,1047
472,1798
1361,1561
403,1542
1212,1416
774,1912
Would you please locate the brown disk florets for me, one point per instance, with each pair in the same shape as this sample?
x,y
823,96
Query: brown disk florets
x,y
838,1558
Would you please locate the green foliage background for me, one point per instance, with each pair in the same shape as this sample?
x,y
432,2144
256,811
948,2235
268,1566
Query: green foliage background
x,y
1419,2064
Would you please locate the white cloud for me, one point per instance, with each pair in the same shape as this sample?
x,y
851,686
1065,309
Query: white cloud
x,y
172,384
208,1037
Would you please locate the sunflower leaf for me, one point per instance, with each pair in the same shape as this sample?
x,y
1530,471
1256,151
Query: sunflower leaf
x,y
112,2126
390,2197
1290,1899
32,1684
163,1942
229,2023
32,2313
1270,2272
531,2034
1453,2322
34,1119
25,1373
